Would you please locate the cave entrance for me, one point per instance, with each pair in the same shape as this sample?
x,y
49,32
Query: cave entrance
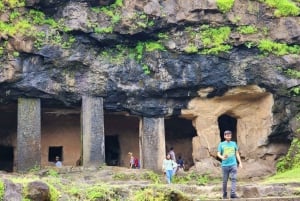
x,y
60,134
179,135
227,122
112,150
8,136
6,158
121,136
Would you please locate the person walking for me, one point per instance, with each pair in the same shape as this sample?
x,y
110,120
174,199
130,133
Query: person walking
x,y
168,168
228,153
173,157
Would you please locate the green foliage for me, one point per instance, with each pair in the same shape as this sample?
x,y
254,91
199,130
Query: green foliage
x,y
292,159
124,177
13,3
149,194
283,7
1,6
112,11
293,73
152,46
22,27
103,29
99,192
159,193
13,15
289,176
35,169
249,44
150,175
2,189
191,48
225,5
54,193
116,56
278,49
191,178
247,29
52,173
163,36
16,54
139,51
214,40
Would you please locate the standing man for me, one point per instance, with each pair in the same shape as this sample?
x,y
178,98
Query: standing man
x,y
229,154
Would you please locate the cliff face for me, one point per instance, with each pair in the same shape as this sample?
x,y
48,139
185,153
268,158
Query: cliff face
x,y
152,58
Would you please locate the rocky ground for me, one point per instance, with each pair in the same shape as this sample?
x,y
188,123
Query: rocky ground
x,y
116,183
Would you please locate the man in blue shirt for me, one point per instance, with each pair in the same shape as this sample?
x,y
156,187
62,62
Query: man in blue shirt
x,y
228,153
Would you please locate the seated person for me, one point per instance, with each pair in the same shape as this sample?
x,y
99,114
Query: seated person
x,y
180,163
58,163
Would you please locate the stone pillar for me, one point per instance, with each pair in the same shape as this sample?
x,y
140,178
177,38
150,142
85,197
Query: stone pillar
x,y
93,149
28,134
152,143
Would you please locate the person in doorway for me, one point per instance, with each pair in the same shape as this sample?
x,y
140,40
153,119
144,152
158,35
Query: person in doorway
x,y
180,163
131,160
58,163
168,168
172,154
229,154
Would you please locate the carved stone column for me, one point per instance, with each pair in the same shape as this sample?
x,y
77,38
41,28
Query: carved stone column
x,y
28,134
93,147
152,143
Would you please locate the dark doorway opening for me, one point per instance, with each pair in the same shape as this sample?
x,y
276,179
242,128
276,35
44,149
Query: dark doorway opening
x,y
55,151
179,134
112,150
227,122
6,158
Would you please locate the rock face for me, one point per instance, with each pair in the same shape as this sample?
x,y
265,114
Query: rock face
x,y
96,53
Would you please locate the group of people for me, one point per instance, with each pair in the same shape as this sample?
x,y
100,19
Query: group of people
x,y
228,152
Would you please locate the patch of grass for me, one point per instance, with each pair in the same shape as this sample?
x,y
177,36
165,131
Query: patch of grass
x,y
124,177
292,158
149,194
289,176
2,188
152,46
100,192
191,178
158,193
191,49
247,29
214,40
279,49
14,3
283,7
150,175
225,5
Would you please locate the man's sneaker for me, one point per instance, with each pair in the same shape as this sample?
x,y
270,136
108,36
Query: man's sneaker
x,y
233,196
224,195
